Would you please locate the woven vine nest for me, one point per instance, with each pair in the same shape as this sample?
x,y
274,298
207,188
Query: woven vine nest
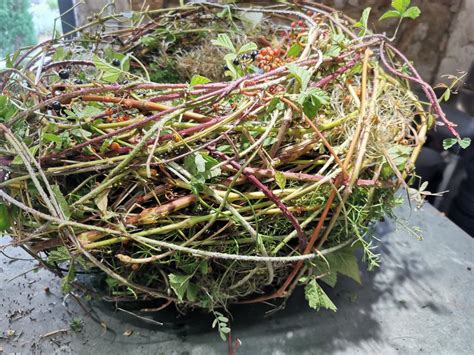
x,y
206,155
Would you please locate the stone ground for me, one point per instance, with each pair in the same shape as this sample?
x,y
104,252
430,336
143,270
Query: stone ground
x,y
419,301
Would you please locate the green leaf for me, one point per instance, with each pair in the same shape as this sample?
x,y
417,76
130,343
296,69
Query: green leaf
x,y
179,284
101,201
317,298
61,201
449,142
362,24
312,100
60,54
69,278
275,104
302,75
280,179
198,79
202,166
5,220
345,262
124,58
247,47
59,255
390,14
413,12
294,51
51,137
465,142
7,109
401,5
192,292
110,73
447,94
223,40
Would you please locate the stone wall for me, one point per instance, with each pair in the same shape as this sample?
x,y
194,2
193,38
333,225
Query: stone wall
x,y
440,41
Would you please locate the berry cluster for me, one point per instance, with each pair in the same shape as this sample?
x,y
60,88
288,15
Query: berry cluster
x,y
269,58
245,58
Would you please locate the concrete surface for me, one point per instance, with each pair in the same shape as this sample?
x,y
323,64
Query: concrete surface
x,y
419,301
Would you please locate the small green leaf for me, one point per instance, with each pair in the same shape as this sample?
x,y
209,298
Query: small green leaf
x,y
7,109
302,75
5,220
110,73
101,201
179,284
198,79
59,255
275,104
447,94
413,12
280,179
294,51
51,137
390,14
223,40
317,298
247,47
449,142
464,143
401,5
192,292
362,24
61,201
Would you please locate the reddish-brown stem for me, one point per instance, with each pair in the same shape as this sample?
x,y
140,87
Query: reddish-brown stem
x,y
271,196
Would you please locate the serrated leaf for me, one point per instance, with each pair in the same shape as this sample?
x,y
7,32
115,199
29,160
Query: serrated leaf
x,y
199,79
247,47
179,284
401,5
223,40
413,12
61,201
294,51
280,179
345,262
449,142
110,73
317,298
302,75
464,143
390,14
5,220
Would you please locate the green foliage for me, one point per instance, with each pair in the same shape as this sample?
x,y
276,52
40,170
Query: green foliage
x,y
317,298
312,100
222,324
402,10
76,325
202,167
182,287
362,23
224,41
16,26
61,201
7,109
280,179
294,51
198,79
302,75
111,73
464,143
5,220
